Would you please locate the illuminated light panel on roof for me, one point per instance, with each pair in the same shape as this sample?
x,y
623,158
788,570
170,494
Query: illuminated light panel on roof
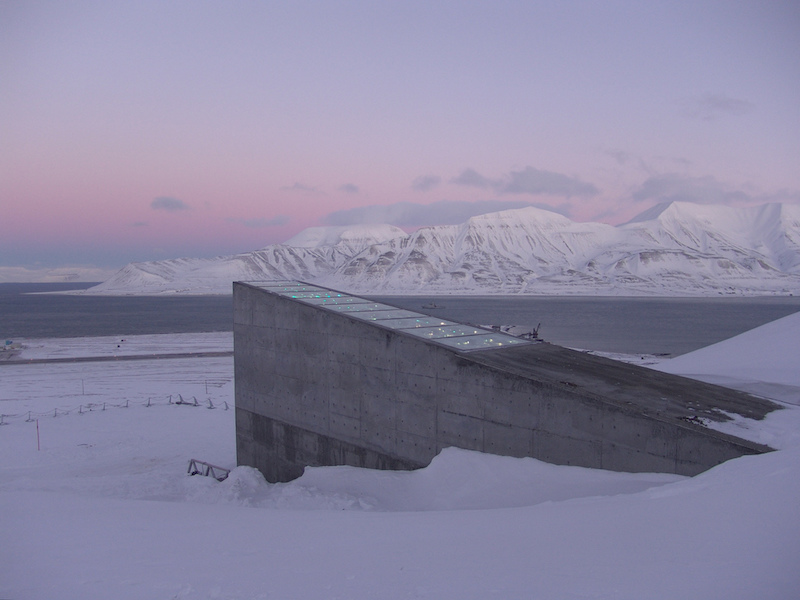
x,y
482,342
385,317
454,330
274,283
440,331
357,307
334,299
416,321
295,289
304,295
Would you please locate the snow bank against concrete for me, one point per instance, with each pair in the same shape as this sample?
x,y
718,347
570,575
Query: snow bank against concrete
x,y
768,354
764,361
455,480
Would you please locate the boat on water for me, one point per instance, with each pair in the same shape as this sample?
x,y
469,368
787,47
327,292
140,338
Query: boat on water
x,y
432,305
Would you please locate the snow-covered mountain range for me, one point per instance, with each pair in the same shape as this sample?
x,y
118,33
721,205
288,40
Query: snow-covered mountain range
x,y
672,249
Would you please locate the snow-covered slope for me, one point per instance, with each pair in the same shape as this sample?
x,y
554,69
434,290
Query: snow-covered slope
x,y
671,249
353,237
765,355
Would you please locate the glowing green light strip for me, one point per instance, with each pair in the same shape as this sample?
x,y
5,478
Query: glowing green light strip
x,y
448,333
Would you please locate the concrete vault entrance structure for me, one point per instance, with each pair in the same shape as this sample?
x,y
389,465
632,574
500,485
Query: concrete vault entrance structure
x,y
327,378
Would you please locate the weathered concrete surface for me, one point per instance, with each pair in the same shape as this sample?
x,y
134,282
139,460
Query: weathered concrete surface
x,y
315,387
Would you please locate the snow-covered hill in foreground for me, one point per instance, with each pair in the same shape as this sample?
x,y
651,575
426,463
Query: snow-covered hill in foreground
x,y
105,508
671,249
769,354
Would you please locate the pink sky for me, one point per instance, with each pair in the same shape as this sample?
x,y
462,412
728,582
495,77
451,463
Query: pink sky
x,y
151,130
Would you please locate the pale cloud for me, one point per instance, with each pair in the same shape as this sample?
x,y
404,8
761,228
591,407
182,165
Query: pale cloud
x,y
411,214
620,156
169,204
539,182
301,187
139,224
425,183
682,162
259,222
784,195
349,188
648,164
672,187
536,182
470,177
710,106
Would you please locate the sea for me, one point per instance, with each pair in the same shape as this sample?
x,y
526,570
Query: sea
x,y
628,325
33,310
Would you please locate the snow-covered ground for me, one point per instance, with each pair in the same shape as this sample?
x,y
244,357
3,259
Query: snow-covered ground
x,y
95,502
121,346
763,359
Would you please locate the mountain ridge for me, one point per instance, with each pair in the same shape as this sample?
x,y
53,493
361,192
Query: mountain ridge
x,y
677,249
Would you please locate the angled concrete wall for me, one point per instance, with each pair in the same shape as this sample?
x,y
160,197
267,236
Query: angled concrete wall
x,y
314,387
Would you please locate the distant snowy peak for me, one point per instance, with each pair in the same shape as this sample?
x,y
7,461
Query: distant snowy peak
x,y
672,249
352,236
770,232
529,216
755,221
650,214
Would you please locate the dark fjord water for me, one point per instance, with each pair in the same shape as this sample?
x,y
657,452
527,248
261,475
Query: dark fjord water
x,y
25,313
668,326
